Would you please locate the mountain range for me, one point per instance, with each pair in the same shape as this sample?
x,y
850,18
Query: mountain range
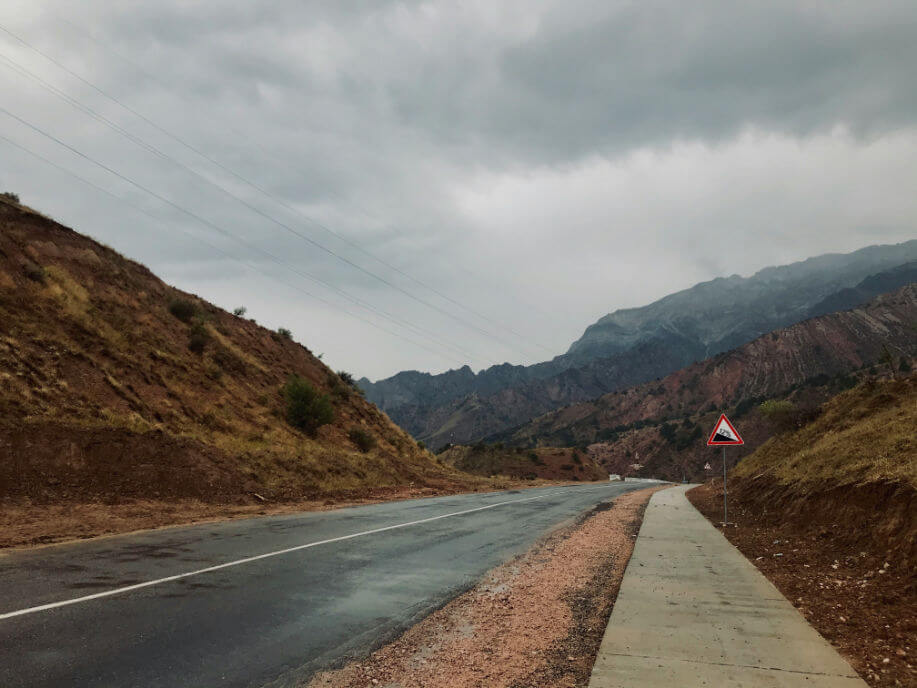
x,y
632,346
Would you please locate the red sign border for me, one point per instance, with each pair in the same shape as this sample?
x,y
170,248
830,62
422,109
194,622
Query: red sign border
x,y
712,443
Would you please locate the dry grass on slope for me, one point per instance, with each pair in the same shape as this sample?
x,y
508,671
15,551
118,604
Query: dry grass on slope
x,y
115,385
865,435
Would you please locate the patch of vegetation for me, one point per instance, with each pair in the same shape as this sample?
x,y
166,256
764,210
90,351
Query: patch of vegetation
x,y
198,337
307,409
865,434
228,361
347,378
183,309
34,272
339,390
785,415
363,439
285,333
10,196
240,311
746,405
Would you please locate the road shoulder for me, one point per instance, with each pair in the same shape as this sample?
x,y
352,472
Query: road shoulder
x,y
536,620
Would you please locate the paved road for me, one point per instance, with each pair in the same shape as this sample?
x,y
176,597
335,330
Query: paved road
x,y
317,588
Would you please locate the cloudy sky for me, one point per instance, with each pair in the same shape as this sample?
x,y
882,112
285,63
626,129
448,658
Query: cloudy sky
x,y
427,184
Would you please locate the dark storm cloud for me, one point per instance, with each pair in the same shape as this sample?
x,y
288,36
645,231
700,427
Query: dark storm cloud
x,y
543,163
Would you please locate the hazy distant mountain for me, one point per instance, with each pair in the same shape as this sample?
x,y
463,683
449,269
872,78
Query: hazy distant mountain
x,y
631,346
833,344
729,311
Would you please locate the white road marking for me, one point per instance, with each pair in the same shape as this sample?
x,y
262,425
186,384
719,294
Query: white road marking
x,y
217,567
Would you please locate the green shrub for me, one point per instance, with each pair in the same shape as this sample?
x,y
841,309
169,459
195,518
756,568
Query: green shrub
x,y
785,415
228,361
183,309
307,409
364,440
198,338
10,196
34,272
338,389
347,378
240,311
421,444
285,333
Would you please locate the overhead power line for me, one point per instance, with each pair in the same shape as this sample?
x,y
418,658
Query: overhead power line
x,y
270,256
170,88
152,149
250,266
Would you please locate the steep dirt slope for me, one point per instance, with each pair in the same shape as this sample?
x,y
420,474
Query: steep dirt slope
x,y
829,345
114,385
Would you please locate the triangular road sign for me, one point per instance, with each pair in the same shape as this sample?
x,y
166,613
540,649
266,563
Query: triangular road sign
x,y
724,434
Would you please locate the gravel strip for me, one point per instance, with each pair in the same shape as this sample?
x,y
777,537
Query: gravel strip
x,y
535,621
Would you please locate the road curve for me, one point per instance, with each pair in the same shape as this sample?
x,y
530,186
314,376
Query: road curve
x,y
257,602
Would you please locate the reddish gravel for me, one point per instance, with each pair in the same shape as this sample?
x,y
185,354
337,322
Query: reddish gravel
x,y
537,620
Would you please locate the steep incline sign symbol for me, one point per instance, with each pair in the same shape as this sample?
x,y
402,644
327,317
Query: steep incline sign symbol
x,y
724,434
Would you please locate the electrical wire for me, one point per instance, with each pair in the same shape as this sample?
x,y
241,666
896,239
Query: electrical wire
x,y
152,149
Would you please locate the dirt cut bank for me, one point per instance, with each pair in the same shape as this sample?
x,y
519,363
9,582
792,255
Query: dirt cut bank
x,y
537,620
862,599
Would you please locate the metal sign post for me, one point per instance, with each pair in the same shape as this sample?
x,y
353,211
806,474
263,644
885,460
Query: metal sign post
x,y
725,500
723,435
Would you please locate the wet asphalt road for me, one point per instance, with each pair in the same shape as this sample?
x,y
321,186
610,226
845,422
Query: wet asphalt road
x,y
271,621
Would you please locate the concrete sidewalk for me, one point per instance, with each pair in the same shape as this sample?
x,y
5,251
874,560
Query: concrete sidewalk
x,y
693,611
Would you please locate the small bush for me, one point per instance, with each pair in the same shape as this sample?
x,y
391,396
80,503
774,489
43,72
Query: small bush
x,y
338,389
347,378
307,409
240,311
228,361
567,467
421,444
10,196
285,333
364,440
198,338
784,415
34,272
183,309
576,457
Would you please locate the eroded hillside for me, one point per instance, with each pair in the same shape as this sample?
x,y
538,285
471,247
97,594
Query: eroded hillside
x,y
114,385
